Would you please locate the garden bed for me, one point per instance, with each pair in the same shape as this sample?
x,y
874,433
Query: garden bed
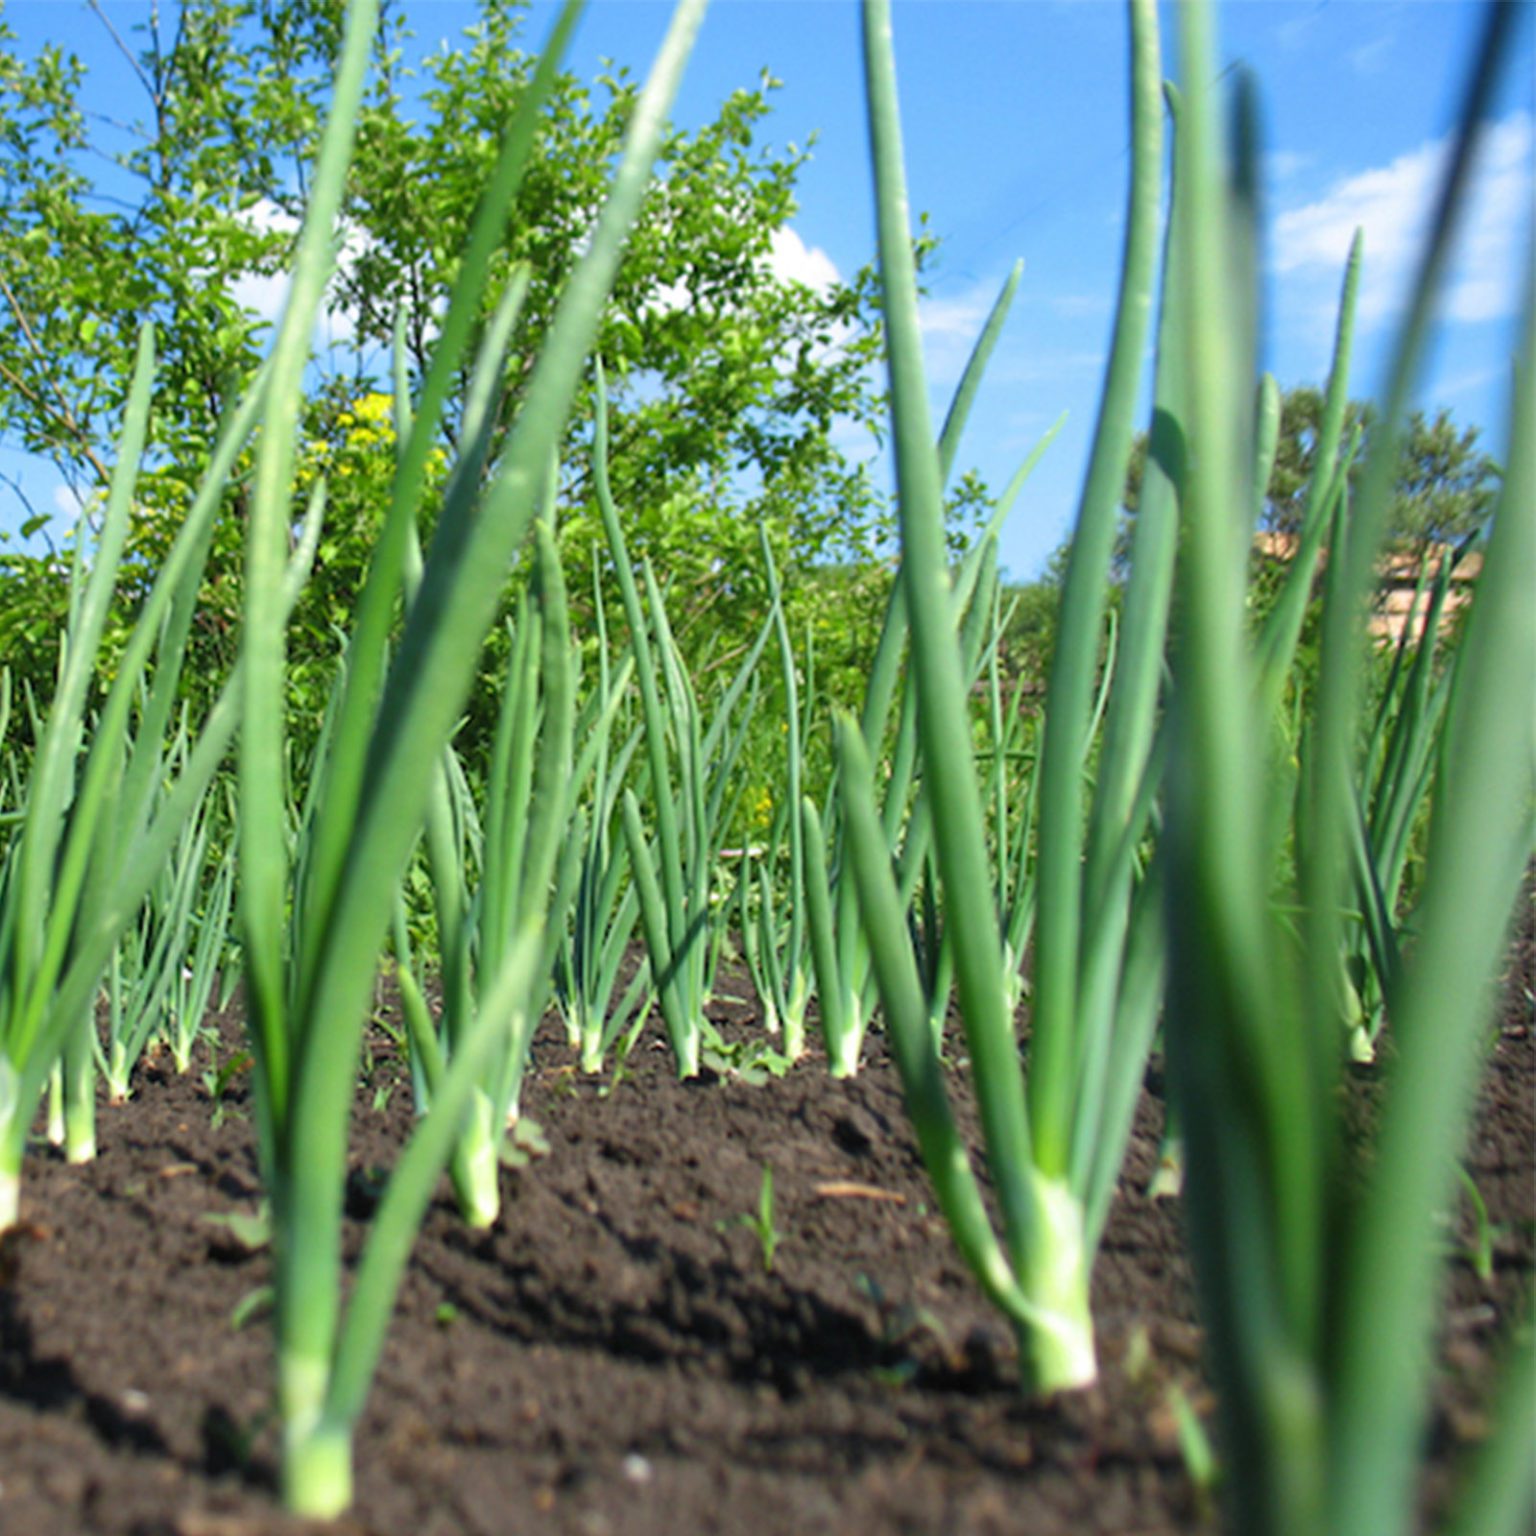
x,y
615,1358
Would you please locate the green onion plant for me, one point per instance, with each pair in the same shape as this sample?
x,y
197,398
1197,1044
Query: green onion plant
x,y
1014,798
675,872
1318,1279
774,943
209,960
1051,1151
100,811
606,906
846,986
525,851
163,970
1396,772
309,973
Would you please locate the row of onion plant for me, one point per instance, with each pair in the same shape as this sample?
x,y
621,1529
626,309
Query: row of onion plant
x,y
162,974
606,905
540,876
817,949
494,877
1394,780
101,808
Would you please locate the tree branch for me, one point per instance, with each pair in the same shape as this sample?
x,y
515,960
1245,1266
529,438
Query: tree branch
x,y
63,414
126,52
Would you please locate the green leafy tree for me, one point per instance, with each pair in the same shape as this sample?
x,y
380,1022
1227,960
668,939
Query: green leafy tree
x,y
1445,482
728,380
1444,493
162,222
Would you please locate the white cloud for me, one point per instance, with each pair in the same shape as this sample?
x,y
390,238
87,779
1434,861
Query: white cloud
x,y
261,295
961,317
1297,30
269,218
67,502
791,260
1465,383
668,299
1047,367
952,323
950,326
1392,204
265,294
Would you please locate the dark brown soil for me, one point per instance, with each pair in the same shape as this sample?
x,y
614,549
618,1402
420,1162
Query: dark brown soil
x,y
615,1358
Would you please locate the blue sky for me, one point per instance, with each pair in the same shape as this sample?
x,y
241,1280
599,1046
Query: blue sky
x,y
1015,124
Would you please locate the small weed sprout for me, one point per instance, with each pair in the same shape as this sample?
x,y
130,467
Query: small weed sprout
x,y
760,1222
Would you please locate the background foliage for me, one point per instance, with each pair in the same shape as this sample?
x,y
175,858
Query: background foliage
x,y
731,387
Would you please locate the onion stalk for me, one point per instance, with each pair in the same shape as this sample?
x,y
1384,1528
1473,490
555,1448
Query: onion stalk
x,y
308,984
1318,1289
606,905
1039,1270
689,776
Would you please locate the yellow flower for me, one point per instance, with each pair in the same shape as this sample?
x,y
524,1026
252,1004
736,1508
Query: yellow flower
x,y
374,407
762,810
